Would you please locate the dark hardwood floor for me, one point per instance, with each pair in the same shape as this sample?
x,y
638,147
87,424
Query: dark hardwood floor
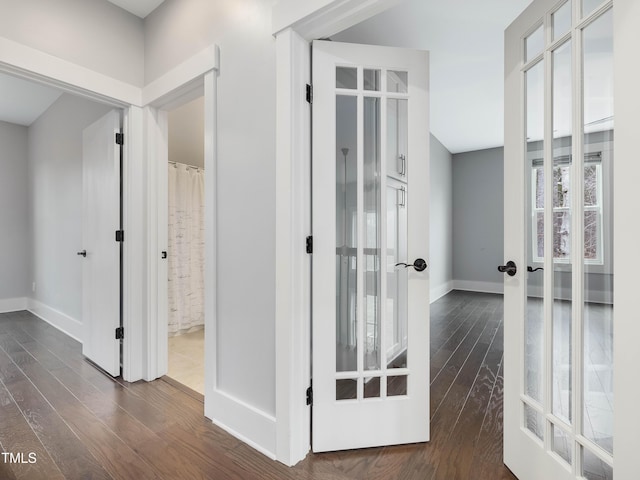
x,y
81,424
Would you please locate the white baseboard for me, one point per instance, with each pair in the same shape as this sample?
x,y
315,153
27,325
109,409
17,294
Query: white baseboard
x,y
483,287
249,424
440,291
13,304
57,319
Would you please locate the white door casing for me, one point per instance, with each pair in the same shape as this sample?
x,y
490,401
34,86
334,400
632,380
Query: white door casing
x,y
360,419
100,221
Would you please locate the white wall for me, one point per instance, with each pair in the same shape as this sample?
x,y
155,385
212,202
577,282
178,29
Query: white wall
x,y
55,202
92,33
186,133
245,177
440,220
14,224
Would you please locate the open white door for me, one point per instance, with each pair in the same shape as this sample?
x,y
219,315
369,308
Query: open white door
x,y
559,185
370,213
101,310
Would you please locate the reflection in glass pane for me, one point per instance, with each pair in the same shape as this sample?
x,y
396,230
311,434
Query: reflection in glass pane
x,y
397,82
534,44
562,20
533,348
562,444
372,231
346,389
533,421
396,320
598,286
593,468
347,77
562,192
396,385
397,136
372,80
346,233
588,6
372,387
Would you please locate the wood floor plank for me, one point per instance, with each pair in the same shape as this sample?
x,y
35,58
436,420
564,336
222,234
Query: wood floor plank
x,y
99,427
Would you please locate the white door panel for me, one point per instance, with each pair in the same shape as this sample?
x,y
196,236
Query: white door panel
x,y
101,219
559,90
370,212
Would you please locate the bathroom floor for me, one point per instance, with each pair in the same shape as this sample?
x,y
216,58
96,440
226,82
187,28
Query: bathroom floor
x,y
186,360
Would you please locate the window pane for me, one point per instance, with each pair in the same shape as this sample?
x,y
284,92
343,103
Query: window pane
x,y
372,199
561,187
598,287
562,20
347,77
593,468
397,137
588,6
346,389
346,232
533,348
562,444
533,421
561,235
534,44
372,80
396,385
372,387
397,82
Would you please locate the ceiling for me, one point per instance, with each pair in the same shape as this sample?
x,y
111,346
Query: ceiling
x,y
465,39
140,8
22,102
466,43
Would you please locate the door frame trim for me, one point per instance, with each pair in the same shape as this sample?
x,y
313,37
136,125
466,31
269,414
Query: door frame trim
x,y
295,24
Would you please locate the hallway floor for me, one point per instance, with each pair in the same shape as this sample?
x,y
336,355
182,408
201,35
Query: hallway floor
x,y
80,423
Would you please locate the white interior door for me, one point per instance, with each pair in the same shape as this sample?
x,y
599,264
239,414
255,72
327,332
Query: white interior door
x,y
370,213
559,317
100,221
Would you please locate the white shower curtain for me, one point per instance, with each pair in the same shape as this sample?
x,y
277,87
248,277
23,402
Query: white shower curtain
x,y
186,249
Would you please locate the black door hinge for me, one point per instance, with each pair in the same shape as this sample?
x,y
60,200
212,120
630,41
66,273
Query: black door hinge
x,y
310,396
309,93
119,333
309,244
119,235
120,138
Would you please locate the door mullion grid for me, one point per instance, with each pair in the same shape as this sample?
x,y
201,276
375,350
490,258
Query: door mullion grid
x,y
548,289
577,248
360,264
383,235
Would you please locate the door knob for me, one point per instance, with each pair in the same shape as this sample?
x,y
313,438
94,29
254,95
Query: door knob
x,y
510,268
83,253
419,264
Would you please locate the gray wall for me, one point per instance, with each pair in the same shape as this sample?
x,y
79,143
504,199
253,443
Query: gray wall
x,y
14,224
440,220
478,218
55,201
245,176
93,33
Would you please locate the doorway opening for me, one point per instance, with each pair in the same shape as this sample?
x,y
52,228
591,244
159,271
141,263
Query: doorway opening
x,y
186,244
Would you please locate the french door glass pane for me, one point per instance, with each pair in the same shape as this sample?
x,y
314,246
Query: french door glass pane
x,y
562,444
346,233
598,285
533,361
397,118
534,43
588,6
593,468
347,77
562,20
372,232
562,89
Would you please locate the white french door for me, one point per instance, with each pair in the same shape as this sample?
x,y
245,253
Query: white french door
x,y
100,221
370,241
559,185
